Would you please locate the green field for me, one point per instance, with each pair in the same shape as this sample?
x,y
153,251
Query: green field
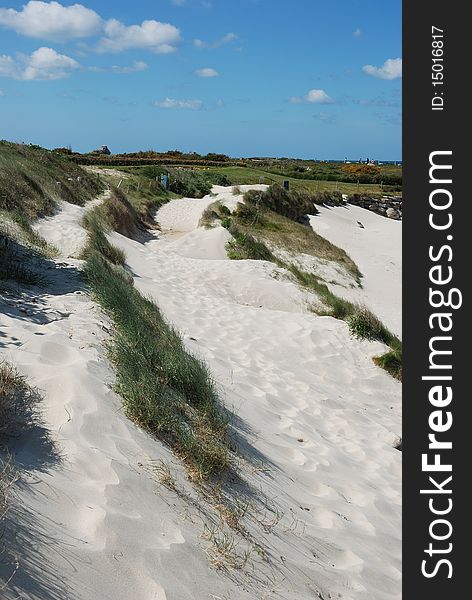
x,y
248,175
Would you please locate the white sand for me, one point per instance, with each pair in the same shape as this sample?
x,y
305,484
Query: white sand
x,y
315,417
377,251
63,229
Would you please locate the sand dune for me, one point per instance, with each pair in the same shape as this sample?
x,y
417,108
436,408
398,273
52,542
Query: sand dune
x,y
316,419
376,249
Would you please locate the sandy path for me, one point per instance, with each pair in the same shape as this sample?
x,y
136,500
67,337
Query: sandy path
x,y
63,229
377,251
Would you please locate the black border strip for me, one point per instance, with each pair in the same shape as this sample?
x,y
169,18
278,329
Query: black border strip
x,y
426,131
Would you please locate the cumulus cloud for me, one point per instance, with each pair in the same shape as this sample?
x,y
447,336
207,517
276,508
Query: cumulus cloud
x,y
313,97
44,64
207,72
155,36
55,22
52,21
173,103
222,41
391,69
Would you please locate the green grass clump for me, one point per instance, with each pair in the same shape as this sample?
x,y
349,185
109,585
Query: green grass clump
x,y
115,213
392,363
294,205
213,212
166,390
364,325
16,399
245,246
98,242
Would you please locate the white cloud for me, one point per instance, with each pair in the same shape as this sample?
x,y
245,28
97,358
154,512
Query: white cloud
x,y
357,33
155,36
172,103
391,69
136,67
226,39
313,97
52,21
207,72
44,64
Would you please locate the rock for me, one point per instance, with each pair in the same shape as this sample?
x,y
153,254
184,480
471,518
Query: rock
x,y
392,213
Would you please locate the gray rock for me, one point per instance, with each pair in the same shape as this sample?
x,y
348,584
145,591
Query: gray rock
x,y
392,213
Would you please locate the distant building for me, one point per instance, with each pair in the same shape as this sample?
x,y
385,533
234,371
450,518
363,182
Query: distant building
x,y
102,150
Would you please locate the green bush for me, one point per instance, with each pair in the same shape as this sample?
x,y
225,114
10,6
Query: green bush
x,y
328,198
294,205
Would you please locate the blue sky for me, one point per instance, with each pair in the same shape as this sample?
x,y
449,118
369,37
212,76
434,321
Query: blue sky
x,y
307,78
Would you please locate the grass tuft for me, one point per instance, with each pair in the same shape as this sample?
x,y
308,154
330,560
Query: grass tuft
x,y
166,390
17,399
213,212
391,362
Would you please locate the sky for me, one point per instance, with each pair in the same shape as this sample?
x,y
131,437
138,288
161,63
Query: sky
x,y
307,78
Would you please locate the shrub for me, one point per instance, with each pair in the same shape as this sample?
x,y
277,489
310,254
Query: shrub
x,y
328,198
292,204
